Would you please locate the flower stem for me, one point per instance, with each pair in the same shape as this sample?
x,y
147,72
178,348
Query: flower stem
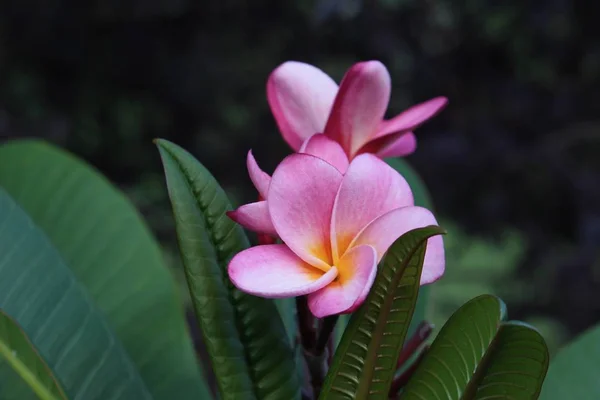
x,y
327,326
306,323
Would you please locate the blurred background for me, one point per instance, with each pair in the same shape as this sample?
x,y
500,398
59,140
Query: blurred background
x,y
512,163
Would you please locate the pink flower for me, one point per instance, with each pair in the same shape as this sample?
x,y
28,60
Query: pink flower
x,y
305,101
335,228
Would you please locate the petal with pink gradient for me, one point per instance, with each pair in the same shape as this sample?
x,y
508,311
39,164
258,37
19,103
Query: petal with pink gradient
x,y
301,196
415,116
359,105
274,271
259,178
300,96
383,232
329,150
356,273
402,145
394,145
370,188
254,217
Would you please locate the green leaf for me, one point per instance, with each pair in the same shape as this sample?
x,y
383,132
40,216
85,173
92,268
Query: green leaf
x,y
366,359
106,244
478,356
422,199
32,375
244,335
574,372
42,295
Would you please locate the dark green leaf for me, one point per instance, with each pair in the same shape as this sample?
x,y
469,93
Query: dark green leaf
x,y
245,336
43,296
366,358
111,252
574,373
478,356
31,374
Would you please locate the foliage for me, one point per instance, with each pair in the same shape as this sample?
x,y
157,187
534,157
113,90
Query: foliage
x,y
98,248
574,371
476,265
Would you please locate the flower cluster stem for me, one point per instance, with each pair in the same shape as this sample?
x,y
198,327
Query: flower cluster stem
x,y
316,346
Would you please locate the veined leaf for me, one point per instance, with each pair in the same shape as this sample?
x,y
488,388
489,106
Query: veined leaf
x,y
105,243
31,374
574,372
366,358
244,335
478,356
39,291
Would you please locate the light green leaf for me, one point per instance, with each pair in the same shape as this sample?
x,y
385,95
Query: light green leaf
x,y
244,335
366,358
42,295
574,373
107,246
31,374
478,356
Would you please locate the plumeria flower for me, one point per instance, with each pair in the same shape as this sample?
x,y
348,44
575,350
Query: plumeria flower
x,y
305,101
335,229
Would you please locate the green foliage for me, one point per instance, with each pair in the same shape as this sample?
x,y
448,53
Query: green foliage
x,y
573,374
476,265
244,335
65,327
365,362
30,370
479,356
109,251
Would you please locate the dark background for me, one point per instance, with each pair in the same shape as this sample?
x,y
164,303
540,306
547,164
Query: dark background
x,y
512,163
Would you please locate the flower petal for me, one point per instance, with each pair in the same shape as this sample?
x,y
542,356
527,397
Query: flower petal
x,y
356,273
259,178
274,271
359,105
383,232
329,150
369,189
396,145
254,217
300,96
413,117
301,197
404,145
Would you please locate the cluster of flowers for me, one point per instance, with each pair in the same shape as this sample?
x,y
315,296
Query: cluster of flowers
x,y
334,204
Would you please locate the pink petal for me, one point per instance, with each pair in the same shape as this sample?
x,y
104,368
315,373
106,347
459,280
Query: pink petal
x,y
274,271
413,117
254,217
383,232
300,96
356,273
369,189
329,150
301,197
359,106
401,146
259,178
395,145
